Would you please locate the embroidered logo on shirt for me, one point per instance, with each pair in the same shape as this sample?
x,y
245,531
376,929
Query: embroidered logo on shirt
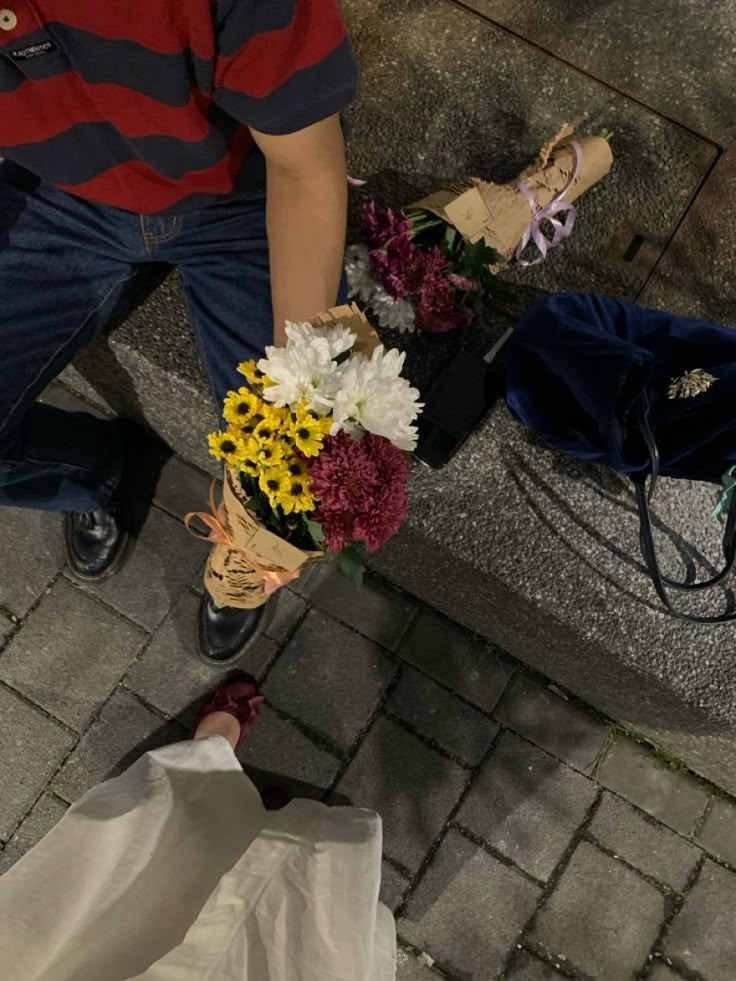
x,y
32,51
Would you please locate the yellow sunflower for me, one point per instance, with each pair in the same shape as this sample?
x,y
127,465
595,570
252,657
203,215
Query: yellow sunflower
x,y
250,425
273,482
241,407
249,466
254,376
297,495
227,446
266,453
280,415
308,432
296,467
267,429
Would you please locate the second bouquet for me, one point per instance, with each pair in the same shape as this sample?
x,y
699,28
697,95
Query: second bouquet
x,y
315,453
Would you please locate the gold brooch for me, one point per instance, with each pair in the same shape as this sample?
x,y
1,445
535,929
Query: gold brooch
x,y
690,384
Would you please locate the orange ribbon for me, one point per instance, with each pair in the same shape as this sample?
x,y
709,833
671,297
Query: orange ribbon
x,y
272,578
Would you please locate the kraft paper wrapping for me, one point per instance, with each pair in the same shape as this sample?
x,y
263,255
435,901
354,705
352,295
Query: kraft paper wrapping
x,y
500,213
244,572
352,318
234,574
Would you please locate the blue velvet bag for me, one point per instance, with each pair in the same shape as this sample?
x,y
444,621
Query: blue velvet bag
x,y
644,391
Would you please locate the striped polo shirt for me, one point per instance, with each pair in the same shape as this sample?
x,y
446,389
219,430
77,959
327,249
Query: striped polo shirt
x,y
147,105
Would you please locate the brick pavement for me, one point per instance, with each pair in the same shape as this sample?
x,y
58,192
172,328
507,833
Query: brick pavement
x,y
526,839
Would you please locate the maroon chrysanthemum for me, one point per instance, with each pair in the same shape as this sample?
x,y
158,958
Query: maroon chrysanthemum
x,y
361,487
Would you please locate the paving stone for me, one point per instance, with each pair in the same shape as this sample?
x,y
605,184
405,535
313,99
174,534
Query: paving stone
x,y
546,719
302,582
468,910
197,583
411,786
289,610
172,677
702,936
124,731
466,664
181,488
434,712
382,614
393,885
70,654
527,967
602,916
32,556
651,848
410,968
31,748
718,833
46,813
163,562
330,678
631,770
278,749
527,805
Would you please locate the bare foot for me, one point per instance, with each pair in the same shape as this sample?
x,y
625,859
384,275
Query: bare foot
x,y
219,724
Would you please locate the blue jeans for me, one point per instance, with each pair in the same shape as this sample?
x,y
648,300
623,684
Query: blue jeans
x,y
69,267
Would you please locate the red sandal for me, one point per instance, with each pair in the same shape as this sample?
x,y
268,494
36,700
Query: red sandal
x,y
240,698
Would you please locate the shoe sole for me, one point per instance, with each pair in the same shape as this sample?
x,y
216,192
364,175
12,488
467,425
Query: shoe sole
x,y
268,615
114,567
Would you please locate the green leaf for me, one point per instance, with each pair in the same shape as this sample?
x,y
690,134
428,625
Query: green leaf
x,y
316,530
342,357
476,258
351,562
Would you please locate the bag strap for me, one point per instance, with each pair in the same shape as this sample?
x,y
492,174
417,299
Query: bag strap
x,y
648,548
661,582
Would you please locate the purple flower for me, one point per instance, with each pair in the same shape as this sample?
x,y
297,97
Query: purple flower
x,y
392,250
381,225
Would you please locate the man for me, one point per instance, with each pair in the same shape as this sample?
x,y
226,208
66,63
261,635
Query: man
x,y
145,132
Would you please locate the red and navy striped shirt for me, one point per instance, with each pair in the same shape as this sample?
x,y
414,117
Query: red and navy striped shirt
x,y
146,105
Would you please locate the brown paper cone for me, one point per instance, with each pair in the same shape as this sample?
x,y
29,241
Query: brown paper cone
x,y
500,213
352,318
233,574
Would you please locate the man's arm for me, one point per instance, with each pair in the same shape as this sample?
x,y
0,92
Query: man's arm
x,y
307,219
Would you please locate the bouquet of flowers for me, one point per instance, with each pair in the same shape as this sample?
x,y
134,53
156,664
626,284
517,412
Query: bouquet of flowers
x,y
316,460
418,272
432,266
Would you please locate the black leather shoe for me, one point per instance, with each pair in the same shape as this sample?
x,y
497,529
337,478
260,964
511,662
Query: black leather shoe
x,y
96,542
226,633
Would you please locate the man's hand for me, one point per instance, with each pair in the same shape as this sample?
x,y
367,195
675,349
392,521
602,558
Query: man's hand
x,y
307,219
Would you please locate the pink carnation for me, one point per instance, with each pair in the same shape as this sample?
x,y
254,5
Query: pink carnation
x,y
361,487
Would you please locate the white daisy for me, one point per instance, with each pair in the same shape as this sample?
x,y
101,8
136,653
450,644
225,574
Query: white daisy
x,y
305,368
357,271
397,314
373,394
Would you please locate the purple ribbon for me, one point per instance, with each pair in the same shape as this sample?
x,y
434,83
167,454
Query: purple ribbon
x,y
560,228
